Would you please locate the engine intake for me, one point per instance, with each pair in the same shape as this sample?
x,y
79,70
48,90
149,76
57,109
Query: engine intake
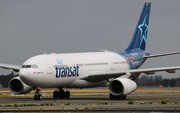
x,y
122,86
16,86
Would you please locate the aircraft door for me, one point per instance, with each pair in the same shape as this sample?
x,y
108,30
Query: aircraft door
x,y
111,63
48,66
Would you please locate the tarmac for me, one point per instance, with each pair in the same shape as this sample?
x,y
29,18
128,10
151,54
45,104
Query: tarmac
x,y
90,100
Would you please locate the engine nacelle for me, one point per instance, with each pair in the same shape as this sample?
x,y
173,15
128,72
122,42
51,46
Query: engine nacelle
x,y
16,86
122,86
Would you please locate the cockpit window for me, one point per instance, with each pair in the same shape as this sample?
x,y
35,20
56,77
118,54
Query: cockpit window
x,y
23,66
28,66
34,66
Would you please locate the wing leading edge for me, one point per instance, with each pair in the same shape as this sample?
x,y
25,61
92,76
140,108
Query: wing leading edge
x,y
10,66
99,76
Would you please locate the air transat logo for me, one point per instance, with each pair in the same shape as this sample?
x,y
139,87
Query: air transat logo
x,y
59,62
67,71
143,28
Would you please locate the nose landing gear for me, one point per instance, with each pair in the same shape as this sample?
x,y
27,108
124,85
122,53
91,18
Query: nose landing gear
x,y
61,94
37,95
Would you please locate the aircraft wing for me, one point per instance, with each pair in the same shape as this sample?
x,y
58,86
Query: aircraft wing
x,y
99,76
10,66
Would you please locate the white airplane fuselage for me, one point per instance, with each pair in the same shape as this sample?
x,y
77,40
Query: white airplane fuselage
x,y
64,70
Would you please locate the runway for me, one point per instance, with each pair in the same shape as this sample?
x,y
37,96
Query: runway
x,y
146,99
95,95
95,99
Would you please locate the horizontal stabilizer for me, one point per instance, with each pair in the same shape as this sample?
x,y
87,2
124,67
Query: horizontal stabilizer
x,y
159,55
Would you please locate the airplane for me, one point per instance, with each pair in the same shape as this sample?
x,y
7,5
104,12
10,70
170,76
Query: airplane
x,y
116,70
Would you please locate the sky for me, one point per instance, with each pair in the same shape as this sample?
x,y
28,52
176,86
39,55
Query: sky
x,y
33,27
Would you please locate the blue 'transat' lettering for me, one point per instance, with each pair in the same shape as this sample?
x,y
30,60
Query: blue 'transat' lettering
x,y
67,71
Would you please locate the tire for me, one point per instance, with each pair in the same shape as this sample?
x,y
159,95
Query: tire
x,y
55,94
123,97
118,97
35,97
39,97
111,96
61,94
67,94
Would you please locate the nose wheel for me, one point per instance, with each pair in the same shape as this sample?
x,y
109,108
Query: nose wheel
x,y
37,95
61,94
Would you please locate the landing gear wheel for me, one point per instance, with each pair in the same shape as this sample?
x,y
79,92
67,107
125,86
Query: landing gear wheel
x,y
118,97
111,96
40,97
37,96
123,97
55,94
61,94
67,94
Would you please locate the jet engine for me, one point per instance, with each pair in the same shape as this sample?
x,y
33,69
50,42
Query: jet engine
x,y
16,86
122,86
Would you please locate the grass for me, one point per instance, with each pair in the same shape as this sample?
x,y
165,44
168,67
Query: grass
x,y
15,104
68,103
142,102
163,102
130,102
104,103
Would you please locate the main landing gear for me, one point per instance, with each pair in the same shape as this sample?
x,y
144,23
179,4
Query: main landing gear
x,y
120,97
37,95
61,94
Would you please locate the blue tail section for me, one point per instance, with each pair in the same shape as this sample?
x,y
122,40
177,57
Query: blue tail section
x,y
139,38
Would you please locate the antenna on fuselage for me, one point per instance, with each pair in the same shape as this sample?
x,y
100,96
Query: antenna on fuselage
x,y
103,50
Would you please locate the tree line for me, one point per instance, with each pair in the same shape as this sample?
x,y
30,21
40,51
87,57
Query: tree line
x,y
156,80
4,79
